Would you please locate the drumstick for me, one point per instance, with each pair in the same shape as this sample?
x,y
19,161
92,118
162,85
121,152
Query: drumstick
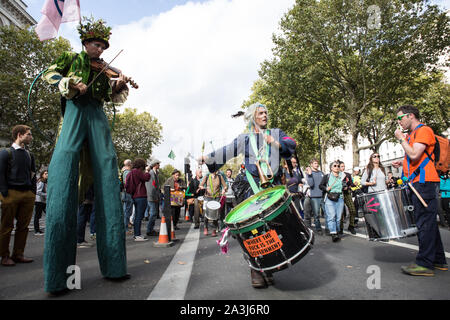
x,y
418,195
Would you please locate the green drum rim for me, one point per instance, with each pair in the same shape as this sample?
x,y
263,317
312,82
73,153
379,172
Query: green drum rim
x,y
244,212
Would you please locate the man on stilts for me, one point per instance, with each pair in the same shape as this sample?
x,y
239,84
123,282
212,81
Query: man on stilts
x,y
84,123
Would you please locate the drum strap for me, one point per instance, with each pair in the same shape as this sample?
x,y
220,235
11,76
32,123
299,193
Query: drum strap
x,y
252,182
421,169
254,145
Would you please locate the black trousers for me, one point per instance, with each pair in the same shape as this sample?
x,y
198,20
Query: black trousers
x,y
39,207
431,250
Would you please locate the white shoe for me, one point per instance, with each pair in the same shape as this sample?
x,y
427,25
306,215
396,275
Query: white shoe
x,y
140,238
84,245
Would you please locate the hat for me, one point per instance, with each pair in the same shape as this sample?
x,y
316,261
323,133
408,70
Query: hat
x,y
175,171
356,169
94,30
154,162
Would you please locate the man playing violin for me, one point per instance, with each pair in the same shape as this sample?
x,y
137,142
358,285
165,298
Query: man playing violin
x,y
84,123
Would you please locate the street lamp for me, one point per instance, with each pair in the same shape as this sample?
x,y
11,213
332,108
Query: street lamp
x,y
318,135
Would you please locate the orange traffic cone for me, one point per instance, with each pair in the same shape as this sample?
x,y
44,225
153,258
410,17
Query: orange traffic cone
x,y
186,216
163,240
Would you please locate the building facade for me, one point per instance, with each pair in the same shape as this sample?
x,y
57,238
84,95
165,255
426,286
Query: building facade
x,y
14,12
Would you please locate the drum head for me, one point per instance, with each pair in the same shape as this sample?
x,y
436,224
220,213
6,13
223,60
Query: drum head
x,y
213,205
200,198
264,202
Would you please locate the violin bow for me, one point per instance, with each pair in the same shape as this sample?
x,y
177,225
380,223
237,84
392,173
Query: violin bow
x,y
104,68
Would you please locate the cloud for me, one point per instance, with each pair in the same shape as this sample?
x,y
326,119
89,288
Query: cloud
x,y
195,65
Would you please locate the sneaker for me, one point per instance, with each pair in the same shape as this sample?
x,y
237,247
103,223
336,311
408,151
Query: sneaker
x,y
214,233
152,233
416,270
441,266
93,237
140,239
335,237
84,244
205,232
351,230
39,233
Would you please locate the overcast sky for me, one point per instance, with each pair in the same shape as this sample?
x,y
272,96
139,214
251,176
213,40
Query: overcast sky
x,y
194,61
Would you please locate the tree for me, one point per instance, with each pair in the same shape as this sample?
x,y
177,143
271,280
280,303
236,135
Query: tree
x,y
351,65
22,57
135,135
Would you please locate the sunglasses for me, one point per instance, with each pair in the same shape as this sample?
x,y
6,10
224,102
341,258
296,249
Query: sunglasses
x,y
401,116
335,166
375,156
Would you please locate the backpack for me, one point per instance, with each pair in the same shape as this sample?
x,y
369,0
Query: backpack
x,y
130,188
441,154
240,187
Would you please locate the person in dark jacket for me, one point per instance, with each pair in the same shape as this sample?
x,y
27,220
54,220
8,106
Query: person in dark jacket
x,y
17,195
259,143
135,185
153,196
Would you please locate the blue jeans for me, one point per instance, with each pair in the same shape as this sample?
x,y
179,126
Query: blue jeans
x,y
315,206
139,205
153,208
85,212
127,208
334,213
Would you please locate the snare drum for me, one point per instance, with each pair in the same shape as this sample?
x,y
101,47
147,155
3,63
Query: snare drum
x,y
270,230
212,210
388,214
177,198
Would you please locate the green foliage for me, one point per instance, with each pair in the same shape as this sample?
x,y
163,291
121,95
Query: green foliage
x,y
135,135
22,57
334,65
165,173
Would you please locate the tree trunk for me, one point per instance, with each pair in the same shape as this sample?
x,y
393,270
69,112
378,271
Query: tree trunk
x,y
355,149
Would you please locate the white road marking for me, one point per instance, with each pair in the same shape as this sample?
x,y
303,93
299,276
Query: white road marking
x,y
174,282
392,242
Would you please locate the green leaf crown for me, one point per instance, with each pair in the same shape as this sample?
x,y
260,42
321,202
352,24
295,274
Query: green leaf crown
x,y
92,29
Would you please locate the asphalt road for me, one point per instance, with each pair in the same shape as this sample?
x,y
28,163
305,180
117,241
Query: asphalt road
x,y
195,270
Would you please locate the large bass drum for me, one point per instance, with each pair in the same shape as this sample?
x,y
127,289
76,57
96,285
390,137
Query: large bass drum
x,y
388,214
270,230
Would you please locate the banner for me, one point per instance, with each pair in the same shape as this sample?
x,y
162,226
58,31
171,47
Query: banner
x,y
54,13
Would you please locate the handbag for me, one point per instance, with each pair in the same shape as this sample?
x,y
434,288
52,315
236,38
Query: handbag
x,y
333,196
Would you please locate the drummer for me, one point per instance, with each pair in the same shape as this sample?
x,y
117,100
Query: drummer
x,y
216,187
194,210
176,184
258,143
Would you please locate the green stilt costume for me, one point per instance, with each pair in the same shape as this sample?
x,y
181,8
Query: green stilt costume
x,y
84,120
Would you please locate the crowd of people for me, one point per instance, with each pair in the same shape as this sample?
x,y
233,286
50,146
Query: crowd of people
x,y
84,162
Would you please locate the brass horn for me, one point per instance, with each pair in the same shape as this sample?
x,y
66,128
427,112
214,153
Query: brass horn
x,y
264,180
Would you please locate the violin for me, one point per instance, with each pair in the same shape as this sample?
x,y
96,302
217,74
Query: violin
x,y
111,72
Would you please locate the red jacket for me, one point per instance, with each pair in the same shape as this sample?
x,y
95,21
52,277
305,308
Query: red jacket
x,y
136,181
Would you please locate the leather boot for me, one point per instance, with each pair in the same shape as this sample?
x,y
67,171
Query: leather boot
x,y
257,279
7,262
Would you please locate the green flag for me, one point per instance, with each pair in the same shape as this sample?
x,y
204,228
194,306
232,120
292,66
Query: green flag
x,y
171,155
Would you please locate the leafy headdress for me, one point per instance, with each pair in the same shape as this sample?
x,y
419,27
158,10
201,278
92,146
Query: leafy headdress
x,y
92,30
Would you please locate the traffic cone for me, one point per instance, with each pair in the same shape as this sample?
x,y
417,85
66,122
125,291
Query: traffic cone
x,y
172,231
186,216
163,240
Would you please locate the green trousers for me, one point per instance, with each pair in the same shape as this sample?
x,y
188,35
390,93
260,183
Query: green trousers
x,y
84,119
